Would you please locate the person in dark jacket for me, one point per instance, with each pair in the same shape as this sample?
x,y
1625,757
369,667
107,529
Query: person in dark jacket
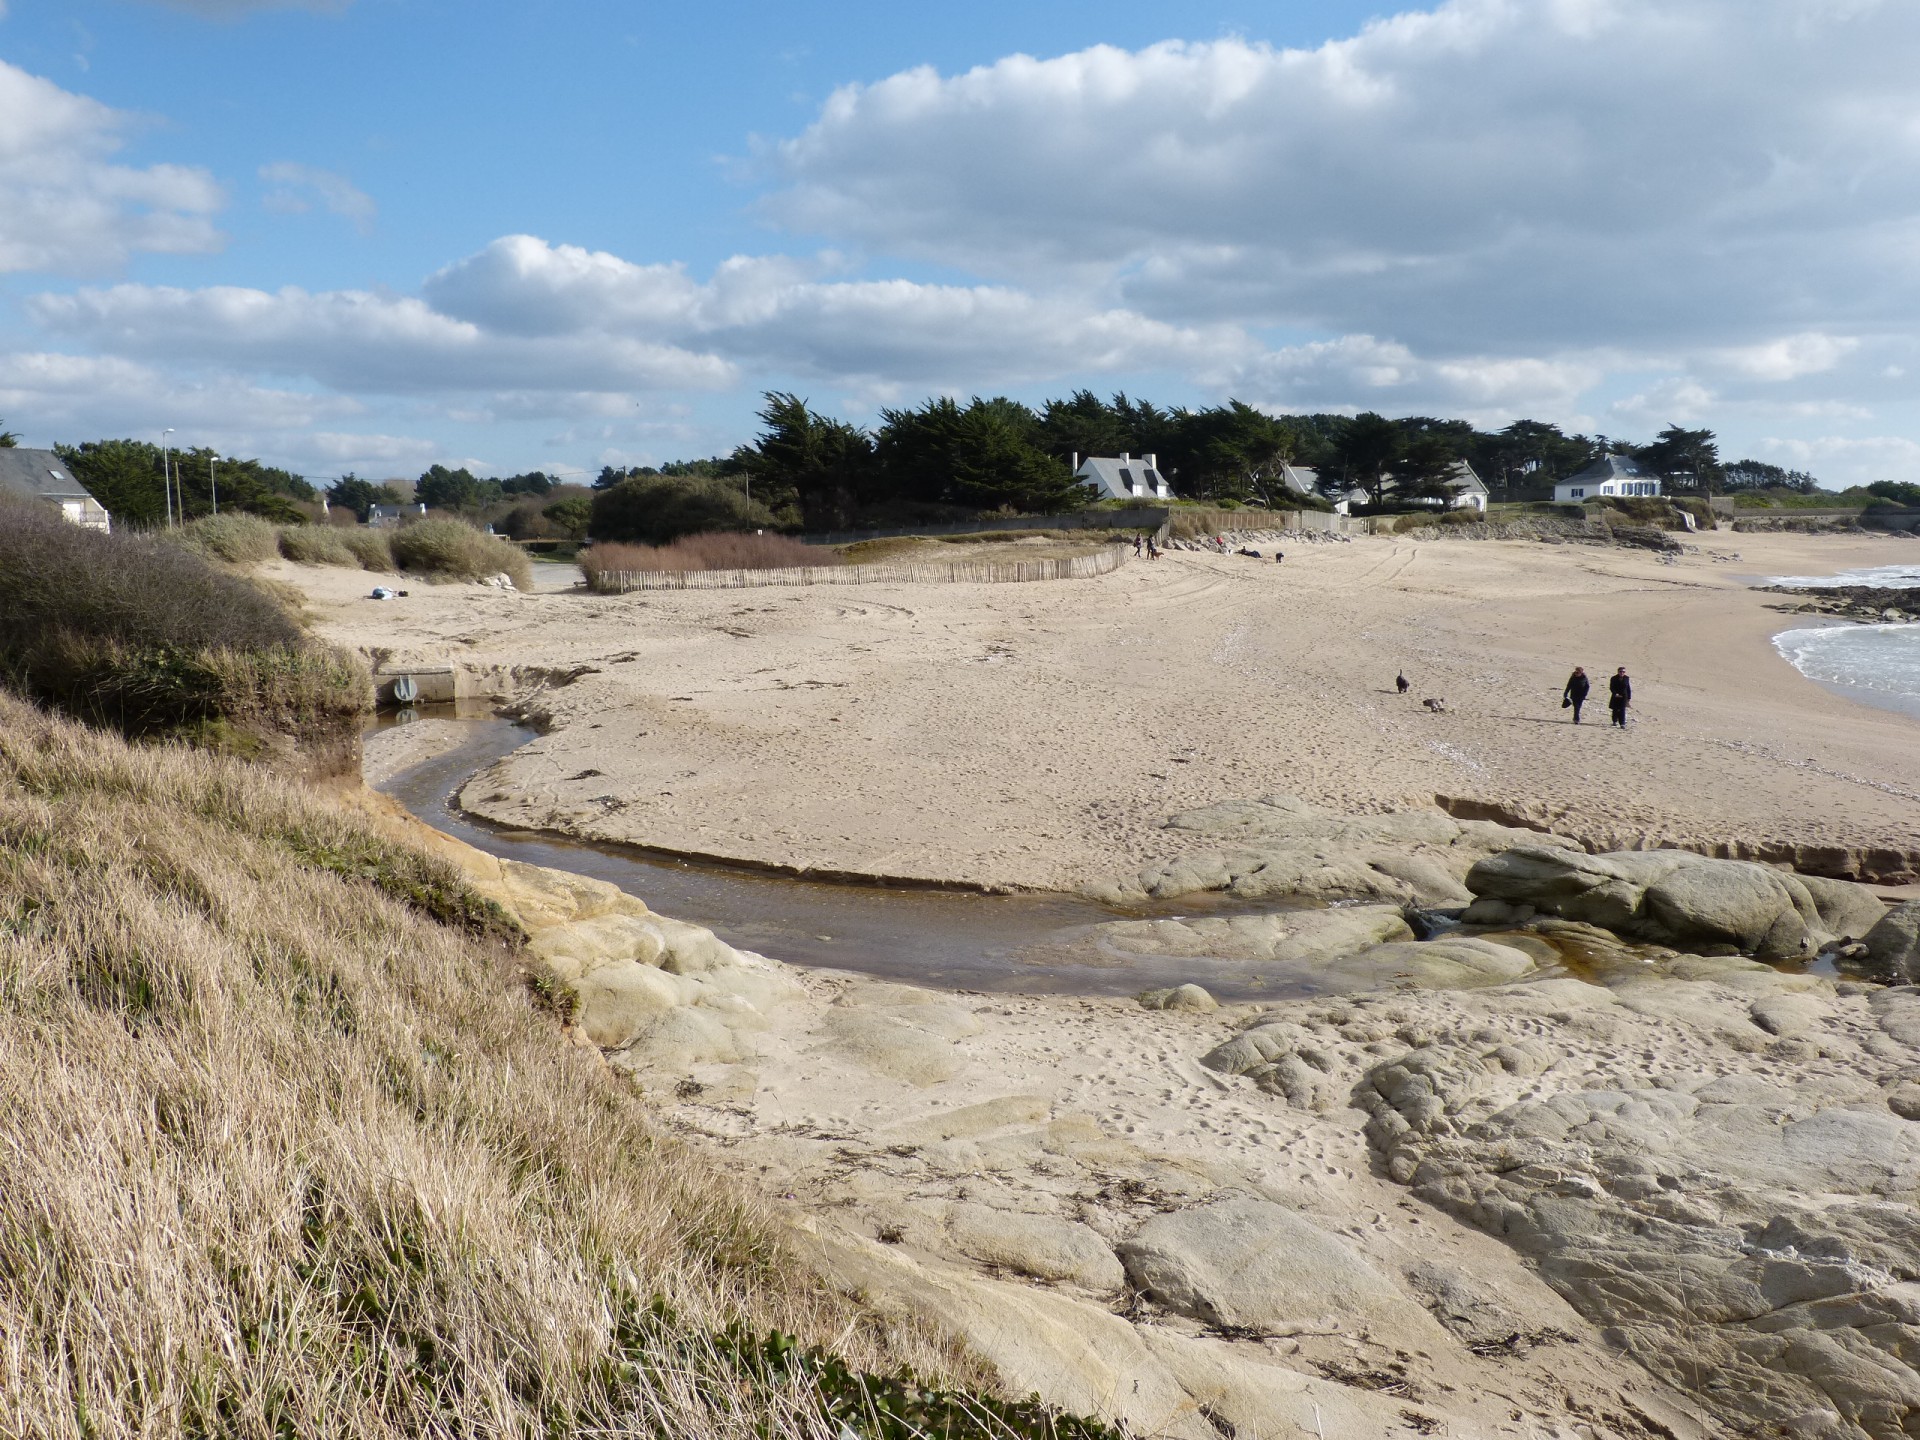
x,y
1575,695
1619,696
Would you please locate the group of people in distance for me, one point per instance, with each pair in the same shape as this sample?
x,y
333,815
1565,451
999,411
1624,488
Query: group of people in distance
x,y
1619,694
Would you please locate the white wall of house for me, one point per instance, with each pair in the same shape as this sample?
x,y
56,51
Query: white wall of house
x,y
1574,491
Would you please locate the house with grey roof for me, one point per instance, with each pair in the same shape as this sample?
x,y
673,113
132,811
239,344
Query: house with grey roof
x,y
1124,477
1609,475
43,475
387,516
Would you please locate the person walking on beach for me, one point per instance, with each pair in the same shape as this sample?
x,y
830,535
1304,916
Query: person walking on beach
x,y
1619,696
1575,695
1136,545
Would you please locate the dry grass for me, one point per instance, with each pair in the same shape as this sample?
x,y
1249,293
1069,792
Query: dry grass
x,y
715,550
285,1154
236,539
335,545
151,639
453,550
369,547
315,545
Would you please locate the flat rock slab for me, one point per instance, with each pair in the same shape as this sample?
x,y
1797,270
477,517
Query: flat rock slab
x,y
1255,1265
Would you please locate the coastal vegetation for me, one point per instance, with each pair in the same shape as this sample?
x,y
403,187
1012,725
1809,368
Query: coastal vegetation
x,y
720,551
151,640
295,1150
454,550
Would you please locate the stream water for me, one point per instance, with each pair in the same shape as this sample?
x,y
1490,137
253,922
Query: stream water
x,y
956,940
1029,944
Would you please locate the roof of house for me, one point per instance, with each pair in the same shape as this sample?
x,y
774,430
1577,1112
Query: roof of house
x,y
1106,470
1300,479
1610,467
1465,480
40,474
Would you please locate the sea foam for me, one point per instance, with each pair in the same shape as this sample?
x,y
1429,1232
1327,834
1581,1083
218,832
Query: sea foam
x,y
1879,664
1884,577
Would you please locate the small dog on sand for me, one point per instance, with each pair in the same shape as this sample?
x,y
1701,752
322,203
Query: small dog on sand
x,y
1438,707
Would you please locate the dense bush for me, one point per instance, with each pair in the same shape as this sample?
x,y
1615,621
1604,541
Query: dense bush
x,y
148,638
451,550
336,545
659,509
727,551
237,539
369,547
315,545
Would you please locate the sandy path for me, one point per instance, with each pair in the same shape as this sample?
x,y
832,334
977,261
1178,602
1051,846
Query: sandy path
x,y
1035,735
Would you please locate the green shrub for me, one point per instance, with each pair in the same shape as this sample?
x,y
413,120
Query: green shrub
x,y
315,545
659,509
237,539
453,550
369,547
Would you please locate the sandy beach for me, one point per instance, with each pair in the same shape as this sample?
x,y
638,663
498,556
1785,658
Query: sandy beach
x,y
1462,1190
1035,735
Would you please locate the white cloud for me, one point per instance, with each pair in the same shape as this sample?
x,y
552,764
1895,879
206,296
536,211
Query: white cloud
x,y
67,208
1790,357
295,188
1491,176
526,318
1360,372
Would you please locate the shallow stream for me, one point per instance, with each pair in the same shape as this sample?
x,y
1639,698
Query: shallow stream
x,y
956,940
952,939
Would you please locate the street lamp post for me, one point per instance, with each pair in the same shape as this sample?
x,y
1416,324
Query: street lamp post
x,y
213,486
166,474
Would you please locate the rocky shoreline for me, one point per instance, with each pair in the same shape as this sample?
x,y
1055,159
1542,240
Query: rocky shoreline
x,y
1877,605
1573,1164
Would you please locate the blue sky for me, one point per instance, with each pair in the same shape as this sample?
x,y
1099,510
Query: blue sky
x,y
375,234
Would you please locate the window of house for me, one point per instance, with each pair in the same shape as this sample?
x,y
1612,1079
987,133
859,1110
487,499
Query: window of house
x,y
1577,493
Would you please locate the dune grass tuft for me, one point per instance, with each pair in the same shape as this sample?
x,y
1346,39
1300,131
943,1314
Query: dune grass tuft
x,y
369,547
454,550
236,539
315,545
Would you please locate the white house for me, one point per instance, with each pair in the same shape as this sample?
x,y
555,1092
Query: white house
x,y
1609,475
387,516
43,475
1128,477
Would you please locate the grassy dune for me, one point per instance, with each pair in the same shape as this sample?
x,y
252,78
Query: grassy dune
x,y
289,1148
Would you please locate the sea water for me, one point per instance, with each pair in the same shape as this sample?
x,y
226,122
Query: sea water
x,y
1885,577
1877,664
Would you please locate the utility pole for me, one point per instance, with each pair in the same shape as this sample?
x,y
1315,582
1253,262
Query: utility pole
x,y
166,474
212,484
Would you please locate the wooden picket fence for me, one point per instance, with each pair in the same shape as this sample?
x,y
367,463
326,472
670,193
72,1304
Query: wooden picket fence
x,y
1075,567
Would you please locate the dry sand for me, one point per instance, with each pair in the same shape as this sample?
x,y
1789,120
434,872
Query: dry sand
x,y
1034,735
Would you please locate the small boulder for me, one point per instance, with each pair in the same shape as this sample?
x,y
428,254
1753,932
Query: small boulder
x,y
1180,997
1893,944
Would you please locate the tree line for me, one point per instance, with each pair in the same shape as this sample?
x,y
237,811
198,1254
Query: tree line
x,y
945,459
810,471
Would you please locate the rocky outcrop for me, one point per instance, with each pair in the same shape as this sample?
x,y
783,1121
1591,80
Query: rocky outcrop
x,y
1670,897
1752,1238
1893,944
1248,1264
1715,1162
1282,846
